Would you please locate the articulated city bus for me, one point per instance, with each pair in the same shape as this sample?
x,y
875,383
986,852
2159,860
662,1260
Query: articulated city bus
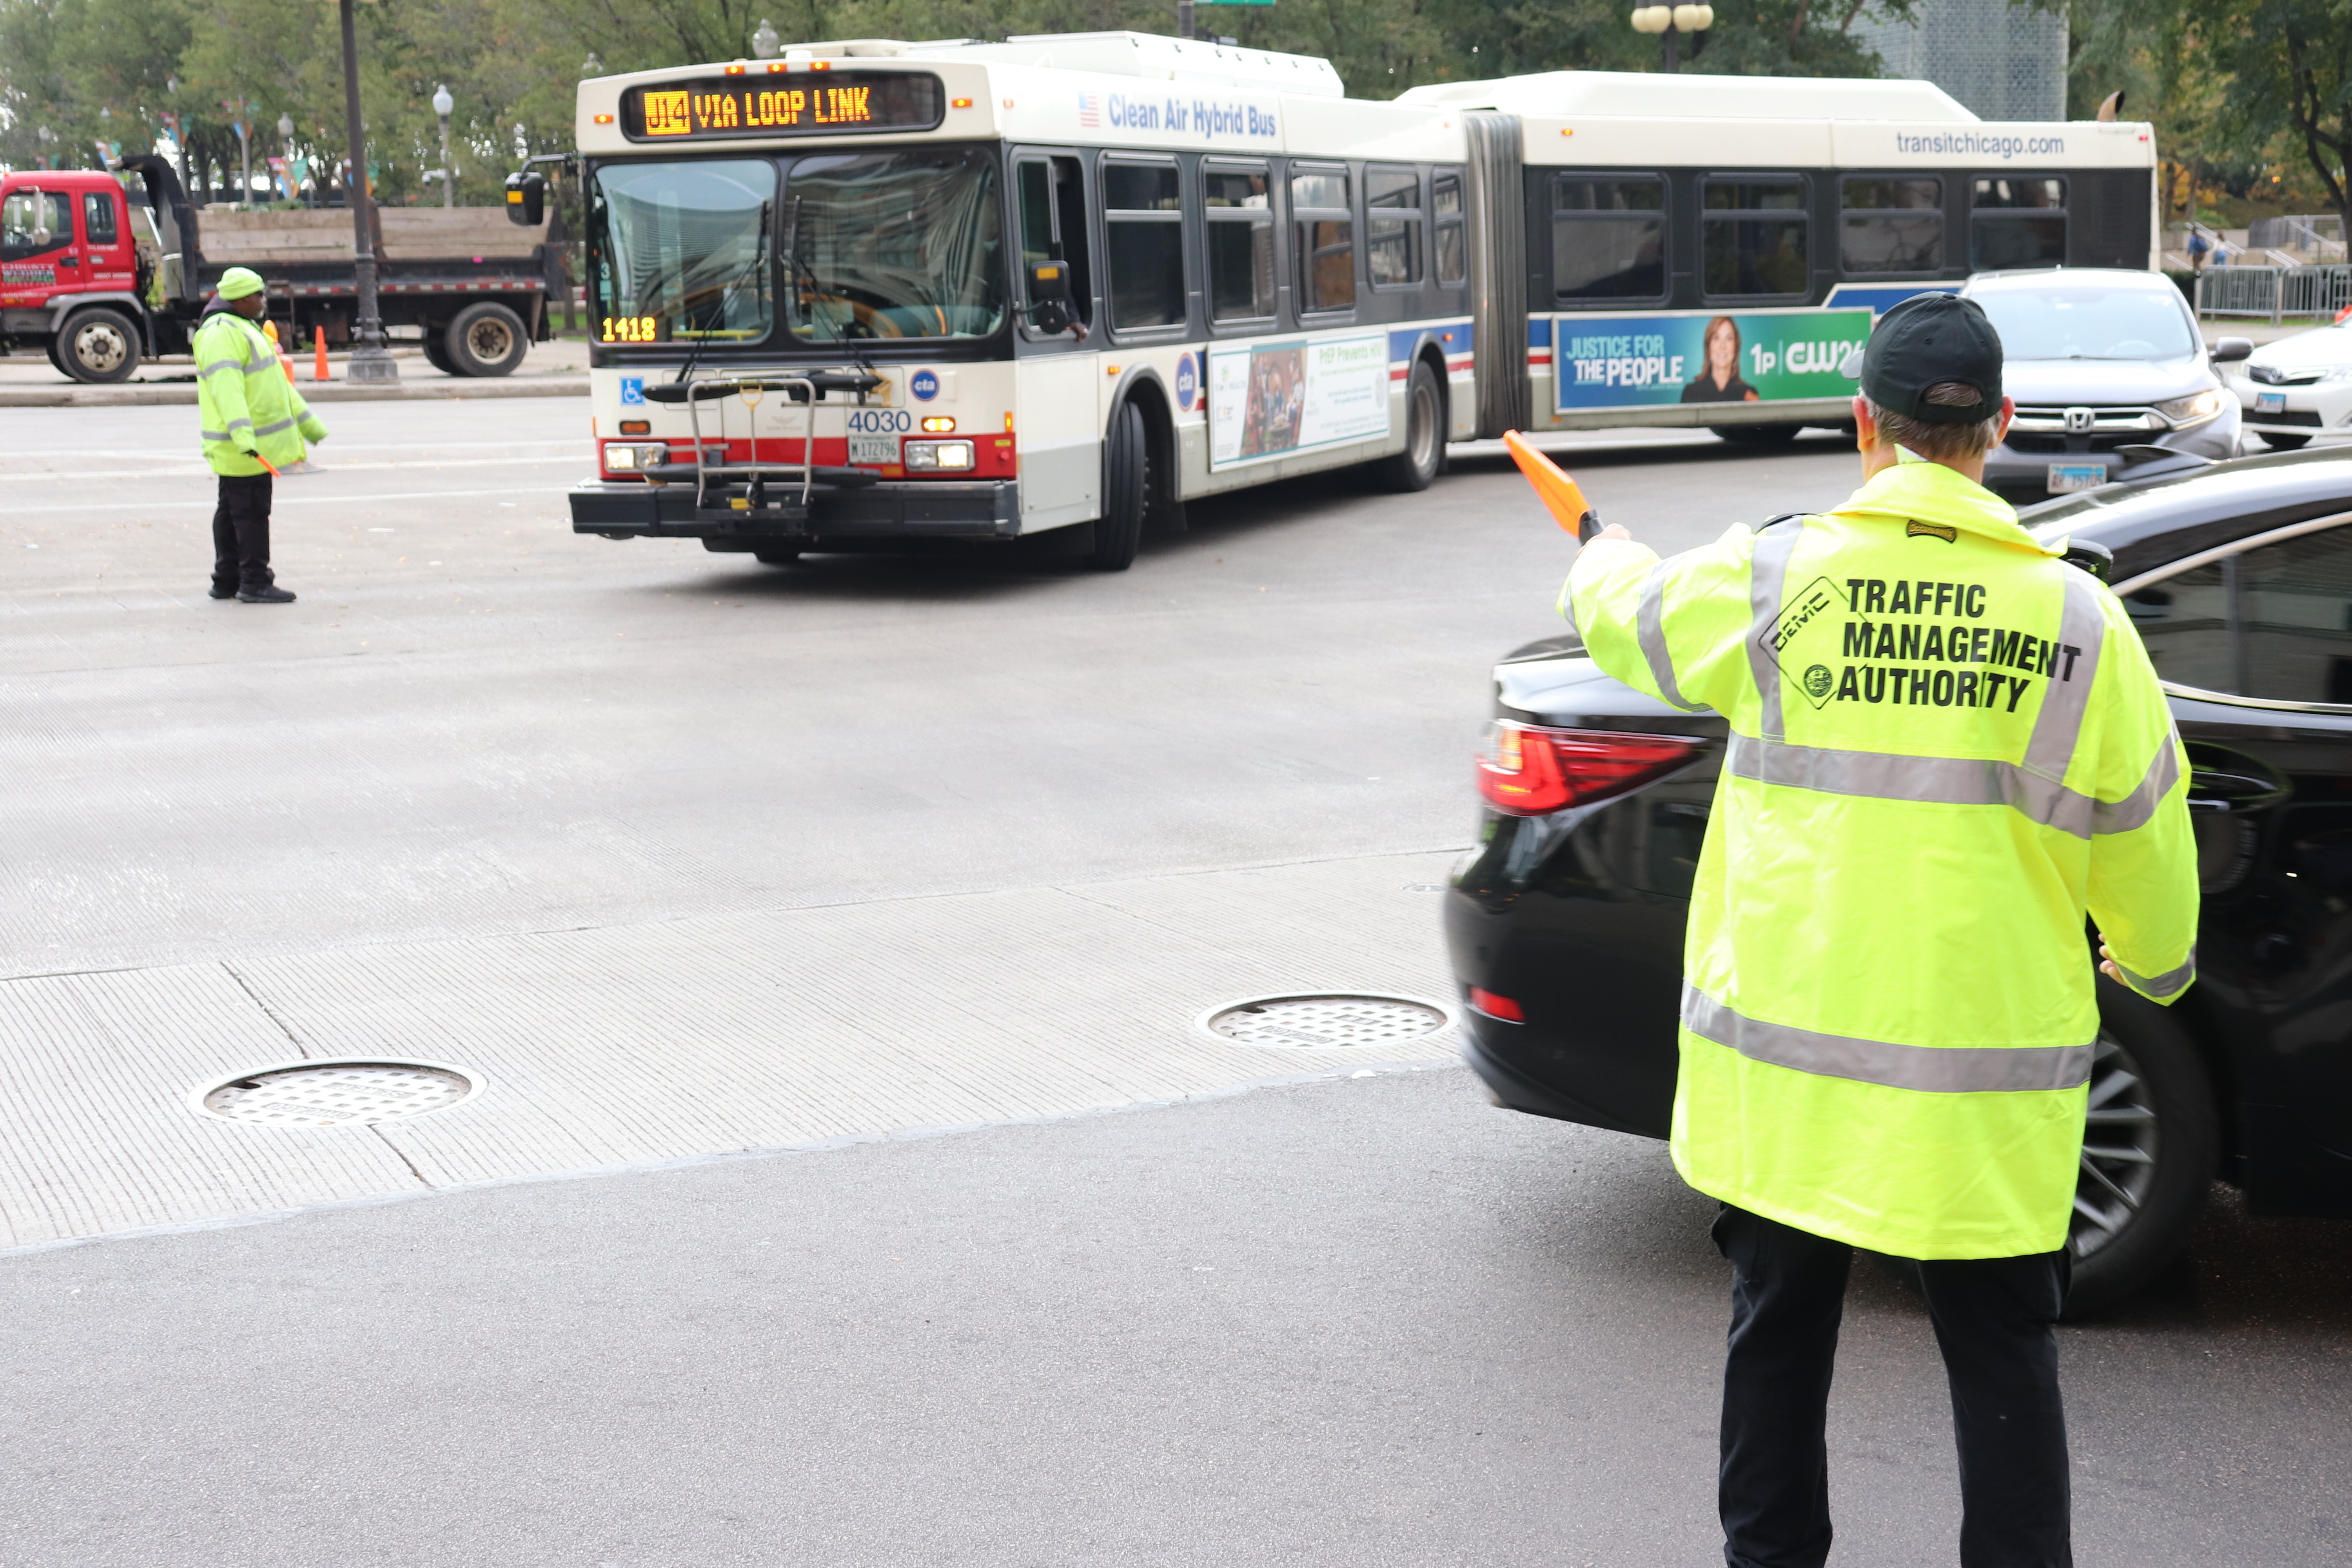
x,y
874,291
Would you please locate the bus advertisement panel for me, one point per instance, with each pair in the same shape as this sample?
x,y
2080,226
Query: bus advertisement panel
x,y
1746,356
1268,400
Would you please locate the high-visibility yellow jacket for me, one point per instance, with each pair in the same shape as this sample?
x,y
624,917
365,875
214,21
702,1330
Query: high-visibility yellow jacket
x,y
1946,744
244,401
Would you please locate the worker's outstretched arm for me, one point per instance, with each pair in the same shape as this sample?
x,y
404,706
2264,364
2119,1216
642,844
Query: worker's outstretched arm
x,y
2143,886
1672,628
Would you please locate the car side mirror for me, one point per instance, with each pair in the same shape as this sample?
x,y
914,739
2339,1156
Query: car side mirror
x,y
527,199
1052,309
2232,349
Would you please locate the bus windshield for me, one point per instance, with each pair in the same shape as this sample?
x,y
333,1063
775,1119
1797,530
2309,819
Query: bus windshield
x,y
682,251
903,243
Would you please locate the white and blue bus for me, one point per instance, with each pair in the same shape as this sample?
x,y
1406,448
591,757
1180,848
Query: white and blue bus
x,y
874,291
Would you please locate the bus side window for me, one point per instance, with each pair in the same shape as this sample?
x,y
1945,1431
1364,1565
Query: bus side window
x,y
1392,226
1052,196
1324,219
1238,200
2017,223
1143,219
1891,223
1753,237
1452,240
1609,238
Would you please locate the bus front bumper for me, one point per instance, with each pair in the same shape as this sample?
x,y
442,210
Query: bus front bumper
x,y
983,508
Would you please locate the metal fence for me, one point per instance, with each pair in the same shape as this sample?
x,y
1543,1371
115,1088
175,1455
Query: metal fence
x,y
2275,294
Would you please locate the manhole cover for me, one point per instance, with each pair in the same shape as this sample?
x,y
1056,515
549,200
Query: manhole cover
x,y
1325,1019
336,1093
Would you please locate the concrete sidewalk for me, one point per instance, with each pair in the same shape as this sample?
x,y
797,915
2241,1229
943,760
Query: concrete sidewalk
x,y
558,369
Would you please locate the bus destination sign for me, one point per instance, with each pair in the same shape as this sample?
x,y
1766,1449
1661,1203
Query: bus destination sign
x,y
804,103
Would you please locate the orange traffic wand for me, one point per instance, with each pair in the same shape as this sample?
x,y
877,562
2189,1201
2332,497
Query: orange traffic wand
x,y
268,464
1559,493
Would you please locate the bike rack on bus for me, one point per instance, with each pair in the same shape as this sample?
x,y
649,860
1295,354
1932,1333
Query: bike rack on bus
x,y
808,389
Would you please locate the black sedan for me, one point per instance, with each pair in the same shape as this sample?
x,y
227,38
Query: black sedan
x,y
1565,924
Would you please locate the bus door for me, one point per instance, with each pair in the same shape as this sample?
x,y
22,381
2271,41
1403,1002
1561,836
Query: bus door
x,y
1055,419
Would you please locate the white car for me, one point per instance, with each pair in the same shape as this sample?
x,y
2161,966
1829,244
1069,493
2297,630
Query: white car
x,y
2299,387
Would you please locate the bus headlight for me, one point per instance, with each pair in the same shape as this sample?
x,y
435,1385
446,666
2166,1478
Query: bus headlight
x,y
2195,410
935,454
632,458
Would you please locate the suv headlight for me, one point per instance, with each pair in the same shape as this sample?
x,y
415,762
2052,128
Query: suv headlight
x,y
939,454
2192,410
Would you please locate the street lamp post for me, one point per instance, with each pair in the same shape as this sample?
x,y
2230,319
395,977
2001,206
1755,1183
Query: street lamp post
x,y
1671,22
286,140
244,150
442,104
372,360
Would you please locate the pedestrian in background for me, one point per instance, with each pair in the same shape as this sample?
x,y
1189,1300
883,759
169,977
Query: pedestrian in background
x,y
254,424
1947,745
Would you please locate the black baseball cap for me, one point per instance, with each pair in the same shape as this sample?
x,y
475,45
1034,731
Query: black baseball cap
x,y
1927,339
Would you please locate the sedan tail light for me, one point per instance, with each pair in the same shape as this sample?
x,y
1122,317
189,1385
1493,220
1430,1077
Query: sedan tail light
x,y
1525,770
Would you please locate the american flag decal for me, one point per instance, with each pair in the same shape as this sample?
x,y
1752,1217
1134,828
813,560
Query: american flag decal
x,y
1089,111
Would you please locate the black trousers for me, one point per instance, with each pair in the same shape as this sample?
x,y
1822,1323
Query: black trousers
x,y
1993,1320
241,532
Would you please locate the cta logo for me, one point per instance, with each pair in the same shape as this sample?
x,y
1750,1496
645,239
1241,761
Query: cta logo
x,y
1188,383
924,384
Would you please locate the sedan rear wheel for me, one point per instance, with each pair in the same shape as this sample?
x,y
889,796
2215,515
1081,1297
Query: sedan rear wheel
x,y
2149,1145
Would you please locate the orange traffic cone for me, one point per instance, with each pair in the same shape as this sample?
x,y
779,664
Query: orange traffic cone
x,y
1559,493
318,367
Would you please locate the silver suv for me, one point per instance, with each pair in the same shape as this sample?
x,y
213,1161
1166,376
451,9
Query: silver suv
x,y
2110,377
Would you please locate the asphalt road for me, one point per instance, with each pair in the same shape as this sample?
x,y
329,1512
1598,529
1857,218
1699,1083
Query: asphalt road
x,y
1356,1320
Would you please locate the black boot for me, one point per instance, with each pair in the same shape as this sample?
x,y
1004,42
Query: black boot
x,y
264,596
219,592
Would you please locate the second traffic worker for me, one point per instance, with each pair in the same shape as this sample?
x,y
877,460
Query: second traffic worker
x,y
1947,746
254,425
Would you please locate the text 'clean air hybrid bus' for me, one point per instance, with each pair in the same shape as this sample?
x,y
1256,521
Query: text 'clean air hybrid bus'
x,y
875,291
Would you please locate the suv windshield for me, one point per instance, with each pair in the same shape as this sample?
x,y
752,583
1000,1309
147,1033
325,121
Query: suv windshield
x,y
2081,322
682,251
894,245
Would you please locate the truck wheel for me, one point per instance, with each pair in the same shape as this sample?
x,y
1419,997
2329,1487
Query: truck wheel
x,y
99,345
2149,1149
486,338
437,352
1424,442
1127,487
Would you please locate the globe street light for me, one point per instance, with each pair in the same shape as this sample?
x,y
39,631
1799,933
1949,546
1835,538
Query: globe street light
x,y
764,41
442,104
1670,22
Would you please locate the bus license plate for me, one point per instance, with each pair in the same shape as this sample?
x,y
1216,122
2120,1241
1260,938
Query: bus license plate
x,y
874,451
2269,402
2065,477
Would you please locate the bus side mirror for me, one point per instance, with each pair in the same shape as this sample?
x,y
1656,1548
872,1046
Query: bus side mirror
x,y
527,199
1051,309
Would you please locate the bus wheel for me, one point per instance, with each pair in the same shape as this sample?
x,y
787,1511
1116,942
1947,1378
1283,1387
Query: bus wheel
x,y
486,338
1757,435
776,555
1127,488
1424,443
99,345
2285,443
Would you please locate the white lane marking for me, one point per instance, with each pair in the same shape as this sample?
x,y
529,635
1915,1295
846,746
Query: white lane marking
x,y
328,500
191,469
342,446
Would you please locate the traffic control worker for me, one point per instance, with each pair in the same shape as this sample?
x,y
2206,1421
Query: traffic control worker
x,y
254,424
1947,746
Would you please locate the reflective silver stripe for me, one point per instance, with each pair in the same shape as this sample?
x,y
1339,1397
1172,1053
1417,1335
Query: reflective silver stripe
x,y
1931,1069
1650,628
1949,781
214,434
240,419
2167,983
2067,690
219,364
2136,808
273,429
1768,574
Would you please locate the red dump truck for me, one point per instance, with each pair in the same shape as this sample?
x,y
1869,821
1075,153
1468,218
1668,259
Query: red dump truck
x,y
103,270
